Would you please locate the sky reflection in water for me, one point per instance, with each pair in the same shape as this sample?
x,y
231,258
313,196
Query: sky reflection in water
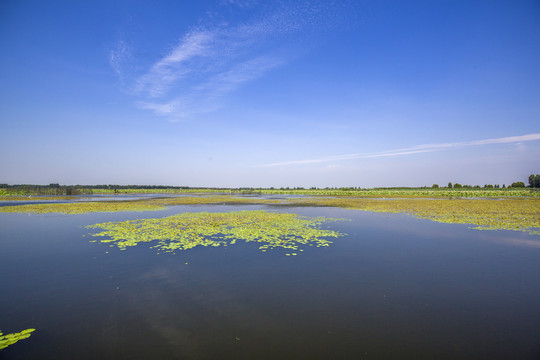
x,y
394,287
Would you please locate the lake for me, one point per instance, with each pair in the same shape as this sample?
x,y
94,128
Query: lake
x,y
393,287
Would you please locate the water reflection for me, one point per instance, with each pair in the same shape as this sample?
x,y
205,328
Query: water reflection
x,y
394,287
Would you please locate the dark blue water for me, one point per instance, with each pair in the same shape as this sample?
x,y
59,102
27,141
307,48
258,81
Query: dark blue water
x,y
394,288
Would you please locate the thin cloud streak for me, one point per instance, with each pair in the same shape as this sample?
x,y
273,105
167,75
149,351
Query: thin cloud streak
x,y
504,140
205,66
209,63
118,56
205,97
412,150
218,56
175,66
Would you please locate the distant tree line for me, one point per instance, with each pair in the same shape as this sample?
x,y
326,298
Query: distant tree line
x,y
57,189
534,181
51,189
460,186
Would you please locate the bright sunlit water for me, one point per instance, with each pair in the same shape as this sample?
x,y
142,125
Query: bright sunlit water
x,y
394,287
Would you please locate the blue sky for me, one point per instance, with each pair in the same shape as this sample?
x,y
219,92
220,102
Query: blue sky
x,y
233,93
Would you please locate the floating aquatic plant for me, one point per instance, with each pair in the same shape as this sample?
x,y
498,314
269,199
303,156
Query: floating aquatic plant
x,y
465,192
10,339
36,198
211,199
187,230
485,214
82,207
137,205
519,213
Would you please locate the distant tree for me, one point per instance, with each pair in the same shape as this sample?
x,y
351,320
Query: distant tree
x,y
537,181
457,186
504,186
449,185
435,186
488,186
518,184
531,180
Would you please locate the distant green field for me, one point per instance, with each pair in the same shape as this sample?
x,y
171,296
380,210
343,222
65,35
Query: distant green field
x,y
357,192
388,192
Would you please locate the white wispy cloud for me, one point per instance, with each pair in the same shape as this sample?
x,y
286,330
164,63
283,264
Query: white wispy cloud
x,y
209,62
412,150
205,66
179,63
118,55
239,3
217,57
503,140
204,97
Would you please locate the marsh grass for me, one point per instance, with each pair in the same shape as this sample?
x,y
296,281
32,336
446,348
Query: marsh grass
x,y
507,213
211,199
82,207
128,205
36,198
376,192
519,214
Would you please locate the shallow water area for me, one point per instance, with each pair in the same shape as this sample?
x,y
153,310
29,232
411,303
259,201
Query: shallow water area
x,y
393,287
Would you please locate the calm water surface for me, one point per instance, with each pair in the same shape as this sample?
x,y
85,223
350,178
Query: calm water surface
x,y
394,288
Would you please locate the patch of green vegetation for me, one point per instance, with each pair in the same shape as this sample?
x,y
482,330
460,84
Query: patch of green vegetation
x,y
137,205
508,213
159,191
187,230
462,192
82,207
51,189
413,192
521,214
10,339
36,198
211,199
